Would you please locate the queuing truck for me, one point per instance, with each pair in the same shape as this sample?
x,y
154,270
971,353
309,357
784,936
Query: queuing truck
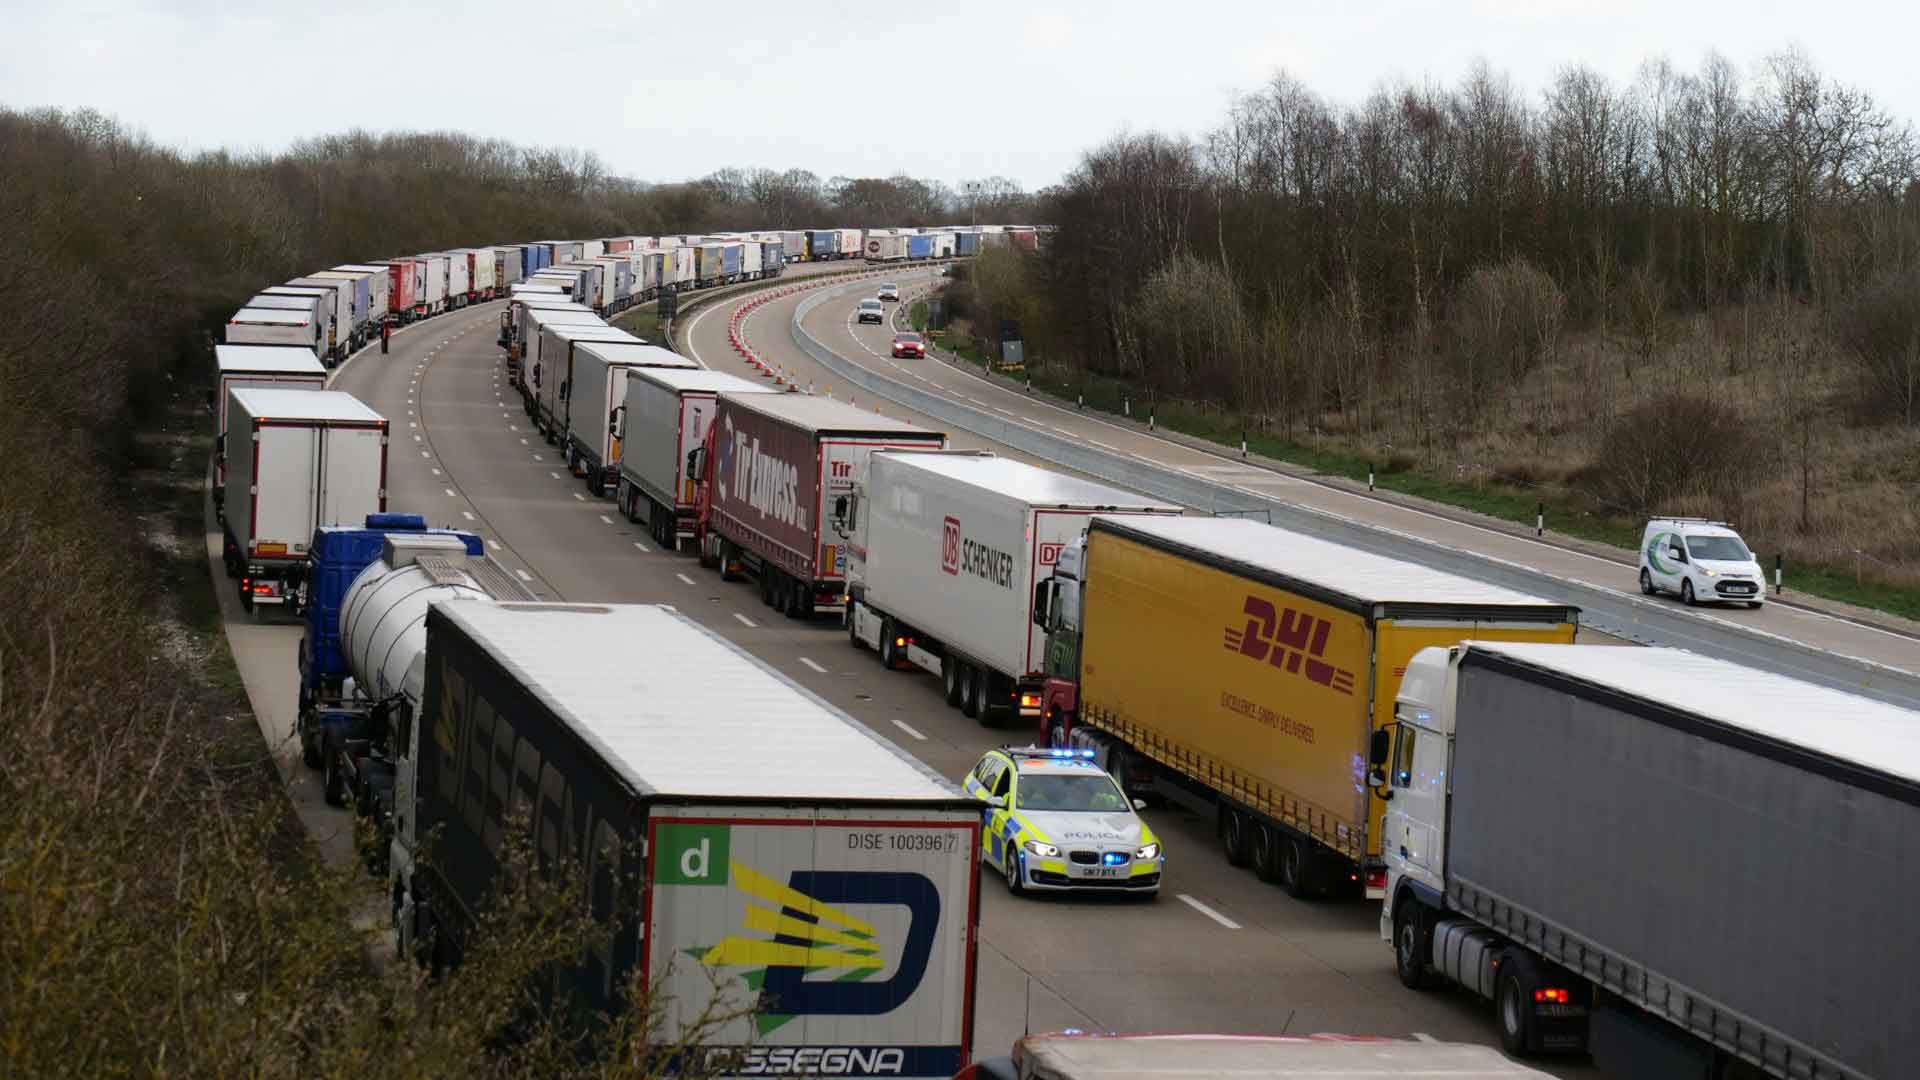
x,y
849,243
944,552
823,244
1243,670
432,299
296,460
286,366
596,389
1689,868
361,285
770,473
708,265
804,890
379,284
552,371
1076,1055
335,309
662,420
270,326
885,246
368,587
919,246
532,318
459,278
793,244
508,266
403,289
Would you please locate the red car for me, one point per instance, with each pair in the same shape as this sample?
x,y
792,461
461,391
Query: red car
x,y
909,345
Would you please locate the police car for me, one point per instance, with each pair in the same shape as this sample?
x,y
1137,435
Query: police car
x,y
1056,820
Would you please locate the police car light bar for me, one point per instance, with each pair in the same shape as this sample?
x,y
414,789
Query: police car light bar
x,y
1050,752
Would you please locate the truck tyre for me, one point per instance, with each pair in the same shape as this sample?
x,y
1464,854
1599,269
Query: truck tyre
x,y
1513,1002
1297,870
969,697
1265,844
333,786
1234,838
801,606
983,698
950,680
1410,945
310,750
889,653
246,600
1646,582
1686,593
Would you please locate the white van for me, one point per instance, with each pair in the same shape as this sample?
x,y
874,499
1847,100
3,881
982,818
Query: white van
x,y
1701,561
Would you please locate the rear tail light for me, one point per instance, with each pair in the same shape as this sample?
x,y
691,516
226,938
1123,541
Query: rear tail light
x,y
1376,879
1552,995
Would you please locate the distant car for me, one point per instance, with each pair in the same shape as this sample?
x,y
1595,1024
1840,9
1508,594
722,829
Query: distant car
x,y
871,311
1057,821
1701,561
909,345
890,291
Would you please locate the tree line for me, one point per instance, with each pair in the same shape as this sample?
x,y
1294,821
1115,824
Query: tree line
x,y
1405,275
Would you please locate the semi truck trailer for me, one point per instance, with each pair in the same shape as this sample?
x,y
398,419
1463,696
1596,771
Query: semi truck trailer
x,y
296,460
791,888
1692,869
770,473
945,550
269,326
288,367
533,319
596,389
551,374
662,420
1244,670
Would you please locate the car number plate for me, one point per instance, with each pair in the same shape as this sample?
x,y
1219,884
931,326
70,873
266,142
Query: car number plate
x,y
1104,871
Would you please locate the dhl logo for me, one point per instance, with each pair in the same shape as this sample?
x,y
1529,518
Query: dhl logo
x,y
1290,640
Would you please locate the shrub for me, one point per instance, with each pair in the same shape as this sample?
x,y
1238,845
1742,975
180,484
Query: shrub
x,y
1678,444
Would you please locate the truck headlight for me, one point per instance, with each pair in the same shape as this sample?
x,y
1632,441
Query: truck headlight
x,y
1148,851
1044,851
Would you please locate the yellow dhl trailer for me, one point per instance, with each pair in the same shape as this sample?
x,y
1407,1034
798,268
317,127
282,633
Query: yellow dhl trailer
x,y
1252,670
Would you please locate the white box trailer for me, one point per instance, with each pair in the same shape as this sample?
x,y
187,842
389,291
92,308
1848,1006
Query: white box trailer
x,y
793,244
379,285
592,249
749,259
324,312
730,794
850,241
508,265
944,245
552,370
336,305
596,389
459,278
520,337
296,460
662,420
946,549
266,326
363,298
273,302
434,298
682,268
288,367
483,274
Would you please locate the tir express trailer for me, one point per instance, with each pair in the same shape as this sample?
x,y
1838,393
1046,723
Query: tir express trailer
x,y
1245,669
1694,869
771,471
945,551
296,460
288,367
660,423
774,864
596,390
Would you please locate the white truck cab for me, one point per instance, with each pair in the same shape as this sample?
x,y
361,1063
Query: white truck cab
x,y
1699,561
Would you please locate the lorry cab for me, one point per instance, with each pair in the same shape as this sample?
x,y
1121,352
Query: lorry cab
x,y
1410,771
1699,561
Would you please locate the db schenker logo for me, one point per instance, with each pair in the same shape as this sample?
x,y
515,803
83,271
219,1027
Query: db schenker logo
x,y
1050,553
950,546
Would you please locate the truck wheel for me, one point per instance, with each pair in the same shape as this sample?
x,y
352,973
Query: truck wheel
x,y
1296,867
1265,843
1514,1002
969,698
1410,943
889,654
333,788
1686,593
985,710
1234,838
801,606
950,680
246,600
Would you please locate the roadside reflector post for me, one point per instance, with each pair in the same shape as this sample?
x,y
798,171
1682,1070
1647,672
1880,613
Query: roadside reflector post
x,y
1369,476
1127,406
1540,519
1149,419
1243,444
1080,402
1777,587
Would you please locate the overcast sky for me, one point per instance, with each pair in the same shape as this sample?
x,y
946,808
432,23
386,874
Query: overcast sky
x,y
666,91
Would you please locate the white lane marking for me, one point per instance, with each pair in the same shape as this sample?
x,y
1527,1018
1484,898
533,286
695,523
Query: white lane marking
x,y
1208,912
644,549
413,423
605,519
579,496
511,427
684,578
523,442
436,472
452,494
813,665
1036,421
935,385
1098,443
409,412
1421,1036
908,728
418,438
468,514
555,475
1148,460
746,622
425,454
524,576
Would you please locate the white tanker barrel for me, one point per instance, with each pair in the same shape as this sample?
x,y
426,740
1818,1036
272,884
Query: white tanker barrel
x,y
383,616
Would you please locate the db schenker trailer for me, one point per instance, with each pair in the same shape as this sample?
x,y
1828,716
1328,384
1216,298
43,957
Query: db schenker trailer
x,y
770,474
1692,869
946,550
1245,670
771,861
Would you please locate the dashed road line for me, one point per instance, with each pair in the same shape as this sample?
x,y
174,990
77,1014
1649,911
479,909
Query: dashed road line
x,y
468,514
684,578
524,576
813,665
605,520
746,622
908,728
452,494
644,549
1205,910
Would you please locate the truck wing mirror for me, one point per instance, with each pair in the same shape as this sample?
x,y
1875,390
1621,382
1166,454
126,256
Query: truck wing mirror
x,y
1042,600
1139,804
613,421
840,511
1380,747
694,460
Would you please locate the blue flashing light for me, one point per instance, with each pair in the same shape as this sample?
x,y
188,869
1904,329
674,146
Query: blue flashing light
x,y
1114,858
